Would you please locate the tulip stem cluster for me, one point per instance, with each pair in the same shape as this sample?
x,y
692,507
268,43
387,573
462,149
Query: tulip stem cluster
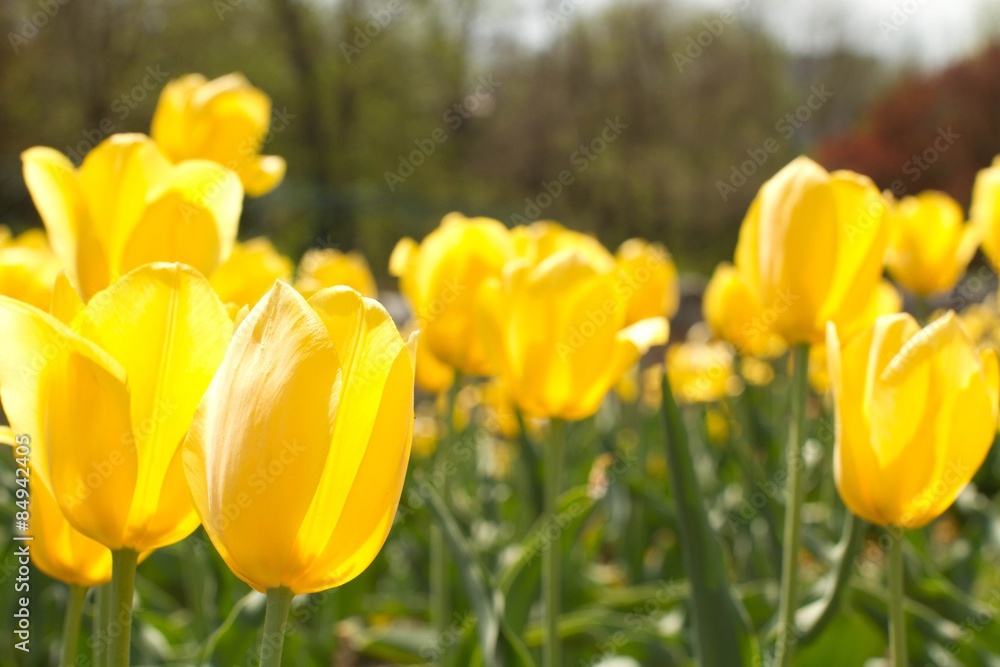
x,y
119,624
793,508
897,619
550,563
71,624
279,601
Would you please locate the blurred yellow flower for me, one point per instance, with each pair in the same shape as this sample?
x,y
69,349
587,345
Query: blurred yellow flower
x,y
716,426
28,267
648,279
224,120
984,213
811,249
701,372
109,398
651,380
441,277
734,314
297,453
540,240
127,206
432,375
916,414
327,267
819,376
930,245
499,414
756,372
557,330
249,272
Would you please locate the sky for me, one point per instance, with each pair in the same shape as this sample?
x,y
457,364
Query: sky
x,y
925,33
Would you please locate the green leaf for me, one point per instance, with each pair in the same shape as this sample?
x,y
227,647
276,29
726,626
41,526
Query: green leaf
x,y
717,636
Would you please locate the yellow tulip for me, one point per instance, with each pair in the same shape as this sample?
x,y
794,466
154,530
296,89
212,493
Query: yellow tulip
x,y
297,453
225,120
811,248
250,272
108,399
985,210
557,331
540,240
327,267
127,206
916,414
649,280
734,314
701,372
930,245
28,267
441,277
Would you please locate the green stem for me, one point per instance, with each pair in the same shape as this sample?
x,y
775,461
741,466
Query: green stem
x,y
550,557
99,629
119,628
279,601
788,602
897,620
71,624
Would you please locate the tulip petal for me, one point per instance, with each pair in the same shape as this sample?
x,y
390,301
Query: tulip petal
x,y
66,301
192,218
35,351
263,174
184,331
965,425
853,460
260,438
91,449
59,550
862,237
55,188
367,345
370,507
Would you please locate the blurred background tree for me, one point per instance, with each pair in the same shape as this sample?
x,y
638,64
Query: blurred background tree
x,y
359,85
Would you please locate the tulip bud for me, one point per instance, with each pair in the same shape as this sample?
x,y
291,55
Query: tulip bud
x,y
558,332
811,249
441,277
916,415
930,245
297,453
127,206
225,120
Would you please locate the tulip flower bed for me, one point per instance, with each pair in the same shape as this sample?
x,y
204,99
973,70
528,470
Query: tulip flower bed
x,y
218,458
